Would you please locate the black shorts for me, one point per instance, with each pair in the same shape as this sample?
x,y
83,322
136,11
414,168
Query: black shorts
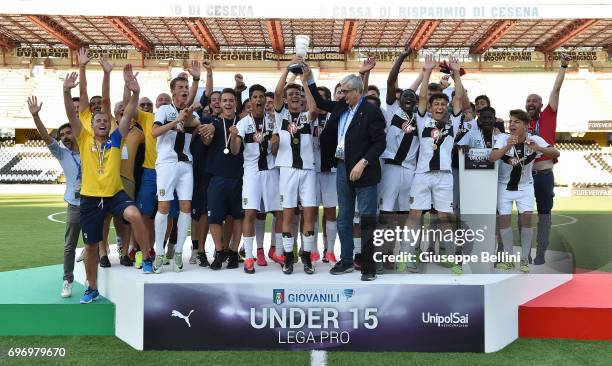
x,y
94,209
198,200
224,198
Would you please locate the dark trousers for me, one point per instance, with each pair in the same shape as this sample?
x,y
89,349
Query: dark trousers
x,y
544,185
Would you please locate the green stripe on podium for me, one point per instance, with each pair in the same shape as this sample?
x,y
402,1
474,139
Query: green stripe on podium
x,y
30,304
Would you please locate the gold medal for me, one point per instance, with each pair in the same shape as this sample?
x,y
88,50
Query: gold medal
x,y
100,171
296,140
434,147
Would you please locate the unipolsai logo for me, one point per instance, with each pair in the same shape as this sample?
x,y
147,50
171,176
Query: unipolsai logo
x,y
278,296
450,320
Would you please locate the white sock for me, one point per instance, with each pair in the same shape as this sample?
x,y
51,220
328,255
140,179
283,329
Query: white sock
x,y
278,238
161,224
507,239
183,222
260,230
248,246
526,234
332,231
308,245
288,243
357,242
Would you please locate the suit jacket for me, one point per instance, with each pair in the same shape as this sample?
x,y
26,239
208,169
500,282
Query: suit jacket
x,y
364,138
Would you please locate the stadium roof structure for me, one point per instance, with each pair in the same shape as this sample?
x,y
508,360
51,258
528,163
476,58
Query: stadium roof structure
x,y
342,35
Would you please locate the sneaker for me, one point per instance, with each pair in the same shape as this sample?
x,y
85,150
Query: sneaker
x,y
158,264
226,253
152,252
67,289
524,266
505,266
539,259
329,257
288,265
457,269
324,259
341,267
167,259
138,259
400,267
307,261
81,256
147,266
194,256
202,260
178,262
169,252
218,261
280,259
357,262
249,265
89,296
271,252
126,261
261,257
296,254
314,256
241,255
379,268
233,260
368,276
104,262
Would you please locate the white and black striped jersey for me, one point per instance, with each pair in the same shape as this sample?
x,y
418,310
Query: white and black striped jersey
x,y
295,140
256,134
516,165
439,157
402,138
317,127
172,146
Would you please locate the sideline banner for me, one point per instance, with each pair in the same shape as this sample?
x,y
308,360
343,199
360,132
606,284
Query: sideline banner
x,y
338,317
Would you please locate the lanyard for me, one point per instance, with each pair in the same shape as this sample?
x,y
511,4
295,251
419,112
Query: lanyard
x,y
225,131
484,143
78,164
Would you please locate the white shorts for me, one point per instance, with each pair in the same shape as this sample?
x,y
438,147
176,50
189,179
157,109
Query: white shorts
x,y
525,199
394,188
327,193
260,190
436,187
174,176
297,184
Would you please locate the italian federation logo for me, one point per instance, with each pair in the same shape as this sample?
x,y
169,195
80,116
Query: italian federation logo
x,y
278,296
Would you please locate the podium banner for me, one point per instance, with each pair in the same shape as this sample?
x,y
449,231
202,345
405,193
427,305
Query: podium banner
x,y
478,159
322,316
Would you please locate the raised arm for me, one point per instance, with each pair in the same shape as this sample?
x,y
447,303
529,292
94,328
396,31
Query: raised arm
x,y
428,66
278,92
553,101
364,71
83,60
71,113
195,71
394,72
310,101
461,98
323,104
34,108
238,89
130,109
209,77
107,67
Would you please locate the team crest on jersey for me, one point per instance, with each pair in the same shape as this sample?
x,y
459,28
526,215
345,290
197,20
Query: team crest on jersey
x,y
162,192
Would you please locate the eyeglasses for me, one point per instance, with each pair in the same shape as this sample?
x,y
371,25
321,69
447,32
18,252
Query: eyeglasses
x,y
145,105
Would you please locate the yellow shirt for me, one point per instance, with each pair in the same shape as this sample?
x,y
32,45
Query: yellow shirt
x,y
145,120
129,150
107,182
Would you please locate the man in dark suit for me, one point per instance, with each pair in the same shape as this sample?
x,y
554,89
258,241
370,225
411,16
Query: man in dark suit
x,y
355,137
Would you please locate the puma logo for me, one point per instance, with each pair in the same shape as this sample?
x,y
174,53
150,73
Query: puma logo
x,y
185,318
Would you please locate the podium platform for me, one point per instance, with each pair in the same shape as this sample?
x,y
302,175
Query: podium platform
x,y
202,309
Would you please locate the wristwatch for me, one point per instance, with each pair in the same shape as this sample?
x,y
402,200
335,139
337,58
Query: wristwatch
x,y
365,162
